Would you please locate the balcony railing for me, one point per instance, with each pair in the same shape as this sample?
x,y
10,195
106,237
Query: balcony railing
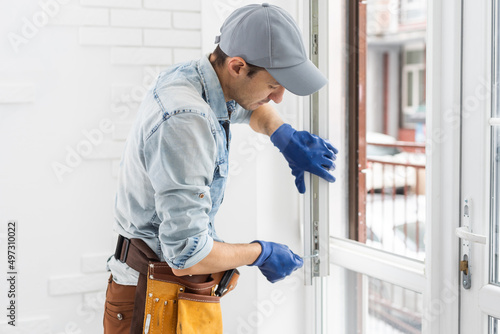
x,y
395,201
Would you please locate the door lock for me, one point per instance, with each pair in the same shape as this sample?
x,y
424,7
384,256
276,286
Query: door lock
x,y
464,266
468,238
466,276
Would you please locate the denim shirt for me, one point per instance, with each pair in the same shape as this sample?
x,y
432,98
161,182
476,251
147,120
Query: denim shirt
x,y
174,167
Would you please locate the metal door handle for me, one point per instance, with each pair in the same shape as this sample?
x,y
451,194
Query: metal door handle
x,y
463,233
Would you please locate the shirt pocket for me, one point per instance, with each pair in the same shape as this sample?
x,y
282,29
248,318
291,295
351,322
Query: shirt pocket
x,y
222,169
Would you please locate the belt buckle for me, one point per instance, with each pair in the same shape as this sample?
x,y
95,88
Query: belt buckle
x,y
119,247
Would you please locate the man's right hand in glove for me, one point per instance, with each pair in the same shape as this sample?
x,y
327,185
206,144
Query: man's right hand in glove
x,y
276,261
305,152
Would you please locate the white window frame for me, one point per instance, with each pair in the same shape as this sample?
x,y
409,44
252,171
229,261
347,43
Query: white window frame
x,y
480,56
437,278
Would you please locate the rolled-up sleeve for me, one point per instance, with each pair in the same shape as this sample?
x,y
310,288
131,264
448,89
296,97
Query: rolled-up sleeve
x,y
180,161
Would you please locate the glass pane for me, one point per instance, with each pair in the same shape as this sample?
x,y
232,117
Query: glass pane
x,y
396,220
494,325
413,12
495,157
392,309
392,211
378,307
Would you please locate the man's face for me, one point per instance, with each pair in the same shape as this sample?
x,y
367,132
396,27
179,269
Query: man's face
x,y
252,92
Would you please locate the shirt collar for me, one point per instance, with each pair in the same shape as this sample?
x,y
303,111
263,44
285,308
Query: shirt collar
x,y
212,89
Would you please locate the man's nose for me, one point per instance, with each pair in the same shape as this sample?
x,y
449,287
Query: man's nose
x,y
277,96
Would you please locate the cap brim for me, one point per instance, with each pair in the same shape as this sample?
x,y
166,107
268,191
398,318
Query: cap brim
x,y
303,79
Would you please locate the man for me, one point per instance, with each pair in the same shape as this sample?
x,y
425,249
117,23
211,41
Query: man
x,y
175,163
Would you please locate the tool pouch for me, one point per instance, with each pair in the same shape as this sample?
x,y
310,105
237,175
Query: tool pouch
x,y
199,314
182,304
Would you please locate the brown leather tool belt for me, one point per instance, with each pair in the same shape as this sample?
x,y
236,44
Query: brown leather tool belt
x,y
137,255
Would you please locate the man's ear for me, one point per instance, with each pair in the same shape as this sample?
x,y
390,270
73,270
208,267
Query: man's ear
x,y
236,66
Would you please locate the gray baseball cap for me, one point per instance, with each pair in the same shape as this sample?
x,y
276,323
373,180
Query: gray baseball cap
x,y
267,36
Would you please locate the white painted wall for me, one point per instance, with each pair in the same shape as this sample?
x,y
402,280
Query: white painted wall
x,y
72,74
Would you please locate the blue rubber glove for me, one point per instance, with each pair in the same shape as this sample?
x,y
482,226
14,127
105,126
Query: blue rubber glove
x,y
276,261
305,152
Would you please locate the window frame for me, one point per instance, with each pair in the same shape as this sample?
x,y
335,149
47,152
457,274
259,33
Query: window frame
x,y
437,278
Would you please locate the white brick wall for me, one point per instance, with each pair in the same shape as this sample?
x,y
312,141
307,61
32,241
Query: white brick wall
x,y
112,3
72,15
181,55
94,263
141,56
163,33
110,36
141,18
64,285
189,21
183,5
172,38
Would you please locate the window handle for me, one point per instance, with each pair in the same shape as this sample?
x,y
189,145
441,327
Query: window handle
x,y
463,233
